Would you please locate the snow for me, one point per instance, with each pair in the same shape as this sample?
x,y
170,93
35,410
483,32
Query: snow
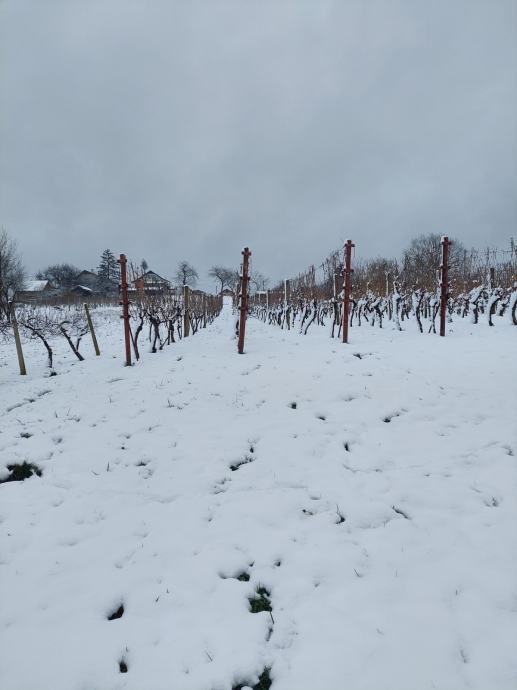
x,y
375,502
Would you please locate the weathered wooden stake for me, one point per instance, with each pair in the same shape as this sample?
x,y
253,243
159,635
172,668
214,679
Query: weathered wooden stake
x,y
347,286
92,330
19,351
243,301
125,307
444,282
186,302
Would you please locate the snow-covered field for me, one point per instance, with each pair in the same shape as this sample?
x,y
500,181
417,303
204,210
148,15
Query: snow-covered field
x,y
368,491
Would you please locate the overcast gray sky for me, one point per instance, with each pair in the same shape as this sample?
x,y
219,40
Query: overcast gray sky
x,y
184,130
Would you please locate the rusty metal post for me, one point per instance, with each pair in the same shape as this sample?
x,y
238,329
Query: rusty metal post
x,y
444,282
186,303
125,307
243,301
347,287
92,330
287,299
19,351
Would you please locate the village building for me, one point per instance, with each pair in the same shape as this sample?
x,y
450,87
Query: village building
x,y
34,290
88,282
151,282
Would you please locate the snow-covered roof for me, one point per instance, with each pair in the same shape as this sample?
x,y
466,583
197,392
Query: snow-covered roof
x,y
35,285
83,287
151,276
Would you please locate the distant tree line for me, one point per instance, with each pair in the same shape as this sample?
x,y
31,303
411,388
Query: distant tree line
x,y
416,269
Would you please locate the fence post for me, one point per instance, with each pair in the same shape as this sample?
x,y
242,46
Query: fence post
x,y
186,302
347,286
19,351
125,306
243,298
92,330
444,282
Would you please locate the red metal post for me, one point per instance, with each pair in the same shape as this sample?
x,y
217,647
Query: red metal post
x,y
125,306
243,301
444,282
347,287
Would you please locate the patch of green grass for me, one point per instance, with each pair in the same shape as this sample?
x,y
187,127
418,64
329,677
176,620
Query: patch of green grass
x,y
21,472
238,464
260,601
264,682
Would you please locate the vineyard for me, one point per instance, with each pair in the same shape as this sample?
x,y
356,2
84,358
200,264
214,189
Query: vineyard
x,y
164,317
306,515
478,287
425,291
258,345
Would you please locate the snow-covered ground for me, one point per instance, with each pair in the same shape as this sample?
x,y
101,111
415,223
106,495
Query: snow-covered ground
x,y
369,489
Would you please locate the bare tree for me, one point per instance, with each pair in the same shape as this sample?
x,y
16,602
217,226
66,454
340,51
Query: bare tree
x,y
225,276
12,273
259,281
421,261
186,274
60,275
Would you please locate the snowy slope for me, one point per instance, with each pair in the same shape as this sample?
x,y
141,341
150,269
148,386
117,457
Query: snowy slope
x,y
375,503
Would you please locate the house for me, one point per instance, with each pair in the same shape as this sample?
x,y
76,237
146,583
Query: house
x,y
34,290
88,282
151,282
82,290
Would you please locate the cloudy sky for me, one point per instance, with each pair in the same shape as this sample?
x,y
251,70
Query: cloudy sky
x,y
184,130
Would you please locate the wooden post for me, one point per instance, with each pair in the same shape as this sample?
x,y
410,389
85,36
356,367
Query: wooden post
x,y
347,286
186,302
444,282
125,307
19,351
243,306
92,330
